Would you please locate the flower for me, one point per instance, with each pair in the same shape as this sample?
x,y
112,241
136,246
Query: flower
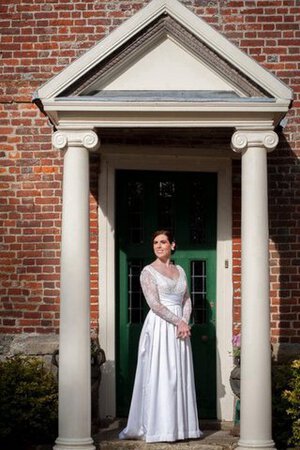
x,y
236,345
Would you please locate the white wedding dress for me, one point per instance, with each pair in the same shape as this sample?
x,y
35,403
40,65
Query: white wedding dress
x,y
163,406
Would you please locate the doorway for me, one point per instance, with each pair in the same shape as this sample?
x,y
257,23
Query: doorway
x,y
186,203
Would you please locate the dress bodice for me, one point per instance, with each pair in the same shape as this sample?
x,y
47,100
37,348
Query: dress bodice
x,y
171,290
162,293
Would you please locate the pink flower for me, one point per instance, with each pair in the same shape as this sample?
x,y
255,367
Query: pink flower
x,y
236,345
236,340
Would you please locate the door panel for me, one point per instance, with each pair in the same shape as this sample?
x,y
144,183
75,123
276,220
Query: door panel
x,y
186,204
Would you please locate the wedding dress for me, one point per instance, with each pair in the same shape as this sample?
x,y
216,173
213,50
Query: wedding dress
x,y
163,406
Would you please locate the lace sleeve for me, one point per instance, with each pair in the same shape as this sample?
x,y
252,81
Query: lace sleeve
x,y
186,301
150,292
187,306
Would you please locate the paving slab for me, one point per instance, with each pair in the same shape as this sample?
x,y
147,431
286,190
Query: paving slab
x,y
107,439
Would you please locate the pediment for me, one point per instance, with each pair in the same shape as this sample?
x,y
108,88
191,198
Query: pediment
x,y
165,67
163,59
164,54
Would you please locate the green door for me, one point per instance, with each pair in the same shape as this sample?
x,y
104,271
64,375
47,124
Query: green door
x,y
184,202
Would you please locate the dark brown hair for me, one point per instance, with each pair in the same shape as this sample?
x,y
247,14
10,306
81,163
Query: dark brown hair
x,y
167,233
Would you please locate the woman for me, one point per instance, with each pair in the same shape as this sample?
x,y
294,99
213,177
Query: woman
x,y
163,406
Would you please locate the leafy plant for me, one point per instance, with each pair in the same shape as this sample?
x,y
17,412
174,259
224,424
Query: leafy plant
x,y
292,395
286,401
28,402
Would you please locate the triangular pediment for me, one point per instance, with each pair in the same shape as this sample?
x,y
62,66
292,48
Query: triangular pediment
x,y
163,54
164,58
165,67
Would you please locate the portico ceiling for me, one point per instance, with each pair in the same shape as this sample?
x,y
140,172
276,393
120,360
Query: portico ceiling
x,y
164,67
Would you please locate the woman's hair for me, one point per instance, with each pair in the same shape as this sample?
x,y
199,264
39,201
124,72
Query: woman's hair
x,y
167,233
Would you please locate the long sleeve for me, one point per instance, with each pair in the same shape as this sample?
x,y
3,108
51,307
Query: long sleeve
x,y
150,292
187,306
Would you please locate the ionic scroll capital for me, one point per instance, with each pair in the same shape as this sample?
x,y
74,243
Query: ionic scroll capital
x,y
244,139
63,139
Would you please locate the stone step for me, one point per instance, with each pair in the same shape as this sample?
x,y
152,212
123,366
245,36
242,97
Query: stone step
x,y
213,439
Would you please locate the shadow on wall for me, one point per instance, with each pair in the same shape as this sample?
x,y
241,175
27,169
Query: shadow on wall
x,y
284,218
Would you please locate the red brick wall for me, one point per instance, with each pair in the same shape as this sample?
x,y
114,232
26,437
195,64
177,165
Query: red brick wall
x,y
38,40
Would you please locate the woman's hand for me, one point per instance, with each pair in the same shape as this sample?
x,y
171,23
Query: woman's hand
x,y
183,330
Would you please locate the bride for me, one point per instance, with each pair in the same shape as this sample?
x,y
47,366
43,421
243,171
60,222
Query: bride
x,y
163,406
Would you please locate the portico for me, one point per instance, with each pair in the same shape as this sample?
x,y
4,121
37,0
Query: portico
x,y
125,82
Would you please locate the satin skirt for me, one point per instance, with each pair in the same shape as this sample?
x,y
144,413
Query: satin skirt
x,y
163,406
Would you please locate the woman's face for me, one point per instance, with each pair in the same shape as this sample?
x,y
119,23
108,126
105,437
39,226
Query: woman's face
x,y
162,246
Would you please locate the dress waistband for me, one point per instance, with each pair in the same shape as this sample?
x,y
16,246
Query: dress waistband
x,y
171,300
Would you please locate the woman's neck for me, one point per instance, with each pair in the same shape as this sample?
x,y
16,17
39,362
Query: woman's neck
x,y
163,262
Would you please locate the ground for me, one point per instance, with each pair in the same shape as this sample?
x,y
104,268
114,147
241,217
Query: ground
x,y
107,439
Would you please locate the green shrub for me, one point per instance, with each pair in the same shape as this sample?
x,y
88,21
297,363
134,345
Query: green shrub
x,y
28,402
292,395
286,385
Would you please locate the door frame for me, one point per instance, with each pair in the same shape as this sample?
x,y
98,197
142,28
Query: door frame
x,y
114,157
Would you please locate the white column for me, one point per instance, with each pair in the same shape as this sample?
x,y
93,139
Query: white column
x,y
74,343
256,399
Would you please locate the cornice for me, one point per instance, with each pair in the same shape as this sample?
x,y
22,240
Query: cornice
x,y
93,115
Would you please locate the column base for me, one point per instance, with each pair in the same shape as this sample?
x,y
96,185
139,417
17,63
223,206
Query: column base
x,y
250,445
74,444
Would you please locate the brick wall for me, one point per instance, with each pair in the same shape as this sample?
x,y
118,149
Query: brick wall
x,y
38,40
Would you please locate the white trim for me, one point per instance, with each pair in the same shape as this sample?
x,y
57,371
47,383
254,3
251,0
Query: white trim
x,y
91,114
90,104
224,291
189,20
157,120
142,158
107,286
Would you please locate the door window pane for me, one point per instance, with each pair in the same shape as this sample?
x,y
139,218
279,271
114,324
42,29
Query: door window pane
x,y
166,205
135,295
197,213
135,203
198,291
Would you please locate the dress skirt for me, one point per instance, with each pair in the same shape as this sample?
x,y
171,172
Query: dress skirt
x,y
163,406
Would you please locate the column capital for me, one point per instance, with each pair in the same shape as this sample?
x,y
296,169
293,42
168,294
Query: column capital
x,y
244,139
62,139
